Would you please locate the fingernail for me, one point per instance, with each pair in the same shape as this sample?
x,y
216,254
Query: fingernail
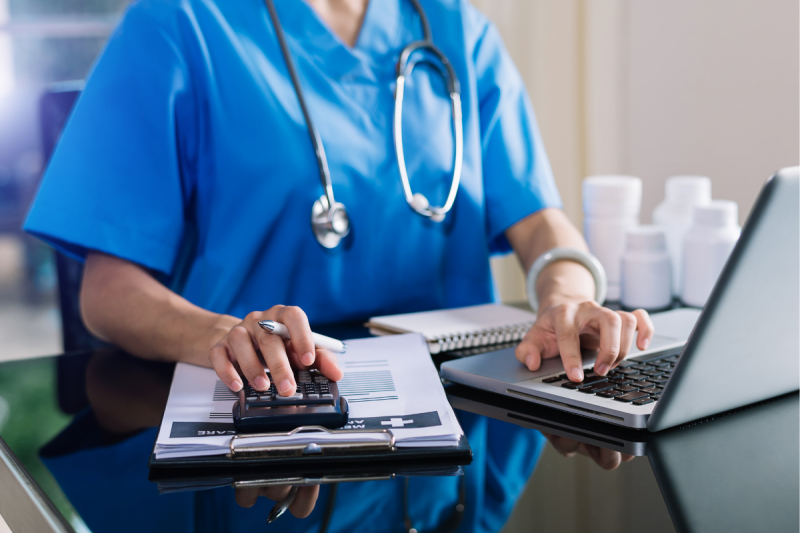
x,y
646,343
576,374
261,383
529,361
602,369
307,358
286,386
236,385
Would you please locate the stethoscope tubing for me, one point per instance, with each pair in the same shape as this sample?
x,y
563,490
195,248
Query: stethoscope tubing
x,y
316,140
455,107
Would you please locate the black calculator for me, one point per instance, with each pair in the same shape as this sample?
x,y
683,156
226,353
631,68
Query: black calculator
x,y
316,402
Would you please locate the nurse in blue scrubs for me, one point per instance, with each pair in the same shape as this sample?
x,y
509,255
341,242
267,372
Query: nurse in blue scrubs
x,y
185,179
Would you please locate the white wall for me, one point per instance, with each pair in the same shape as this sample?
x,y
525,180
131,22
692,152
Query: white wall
x,y
656,88
712,89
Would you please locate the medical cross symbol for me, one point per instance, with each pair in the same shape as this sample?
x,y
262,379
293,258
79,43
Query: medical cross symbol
x,y
396,422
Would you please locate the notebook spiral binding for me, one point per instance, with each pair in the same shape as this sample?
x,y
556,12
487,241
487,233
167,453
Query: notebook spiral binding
x,y
458,341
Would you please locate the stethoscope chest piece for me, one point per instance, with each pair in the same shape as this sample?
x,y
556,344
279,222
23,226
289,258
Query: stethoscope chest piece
x,y
330,224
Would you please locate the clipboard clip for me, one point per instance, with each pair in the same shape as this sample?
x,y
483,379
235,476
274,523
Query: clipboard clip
x,y
301,481
312,449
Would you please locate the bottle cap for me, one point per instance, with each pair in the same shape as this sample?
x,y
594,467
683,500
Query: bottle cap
x,y
646,239
691,190
717,214
612,195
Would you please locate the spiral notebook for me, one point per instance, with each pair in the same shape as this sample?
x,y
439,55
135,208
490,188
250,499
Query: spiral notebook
x,y
456,329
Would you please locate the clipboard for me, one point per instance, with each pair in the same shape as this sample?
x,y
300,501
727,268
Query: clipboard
x,y
318,454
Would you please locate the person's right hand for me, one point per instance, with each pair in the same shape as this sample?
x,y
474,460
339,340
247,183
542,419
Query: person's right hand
x,y
240,348
301,507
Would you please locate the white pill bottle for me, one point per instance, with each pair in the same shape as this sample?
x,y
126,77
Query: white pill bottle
x,y
611,206
646,270
674,215
706,247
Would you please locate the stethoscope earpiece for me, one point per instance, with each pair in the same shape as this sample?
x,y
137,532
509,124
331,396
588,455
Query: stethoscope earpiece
x,y
437,217
419,203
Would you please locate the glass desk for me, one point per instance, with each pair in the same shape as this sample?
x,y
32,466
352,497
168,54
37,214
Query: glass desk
x,y
737,472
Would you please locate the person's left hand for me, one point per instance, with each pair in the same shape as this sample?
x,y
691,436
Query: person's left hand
x,y
564,328
605,459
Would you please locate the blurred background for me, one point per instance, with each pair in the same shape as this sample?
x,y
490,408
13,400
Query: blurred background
x,y
43,43
651,88
657,88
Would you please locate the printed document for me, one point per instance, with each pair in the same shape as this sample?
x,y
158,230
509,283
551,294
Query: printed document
x,y
389,383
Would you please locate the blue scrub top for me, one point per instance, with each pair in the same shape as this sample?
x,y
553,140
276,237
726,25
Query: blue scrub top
x,y
187,153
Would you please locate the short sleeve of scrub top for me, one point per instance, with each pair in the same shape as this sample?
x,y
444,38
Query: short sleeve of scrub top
x,y
187,153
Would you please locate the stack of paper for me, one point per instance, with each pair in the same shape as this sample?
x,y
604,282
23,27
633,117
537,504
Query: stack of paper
x,y
389,383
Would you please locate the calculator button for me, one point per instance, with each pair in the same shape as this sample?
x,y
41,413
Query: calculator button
x,y
294,396
252,398
326,396
313,396
265,397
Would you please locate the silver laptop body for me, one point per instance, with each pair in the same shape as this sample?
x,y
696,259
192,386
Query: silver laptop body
x,y
743,348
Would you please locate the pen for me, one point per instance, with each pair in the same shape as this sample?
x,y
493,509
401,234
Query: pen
x,y
284,504
320,341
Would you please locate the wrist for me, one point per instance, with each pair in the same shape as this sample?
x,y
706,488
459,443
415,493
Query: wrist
x,y
214,330
564,282
567,272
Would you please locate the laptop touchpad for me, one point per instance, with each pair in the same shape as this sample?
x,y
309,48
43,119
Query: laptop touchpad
x,y
502,365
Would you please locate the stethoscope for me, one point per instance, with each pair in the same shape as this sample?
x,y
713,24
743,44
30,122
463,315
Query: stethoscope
x,y
329,219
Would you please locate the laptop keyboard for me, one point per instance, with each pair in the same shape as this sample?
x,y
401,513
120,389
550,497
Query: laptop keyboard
x,y
639,383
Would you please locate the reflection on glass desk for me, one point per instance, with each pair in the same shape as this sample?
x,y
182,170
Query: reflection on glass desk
x,y
99,463
734,472
93,466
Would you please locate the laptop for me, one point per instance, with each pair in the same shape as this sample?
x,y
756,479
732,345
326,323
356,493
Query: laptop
x,y
743,348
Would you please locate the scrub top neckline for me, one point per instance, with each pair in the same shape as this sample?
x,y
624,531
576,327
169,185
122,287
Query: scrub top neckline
x,y
379,36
